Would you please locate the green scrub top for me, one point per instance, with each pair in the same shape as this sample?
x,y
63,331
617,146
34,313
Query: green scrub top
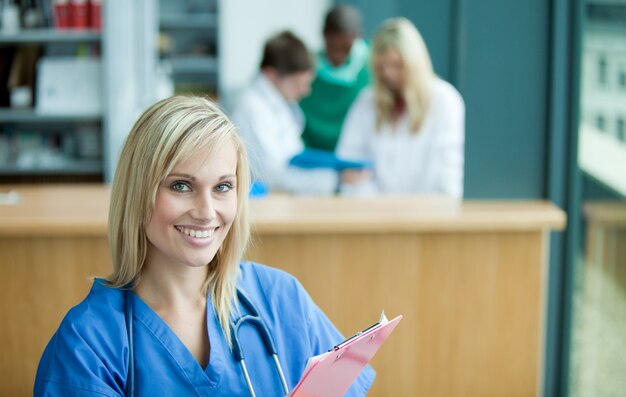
x,y
332,93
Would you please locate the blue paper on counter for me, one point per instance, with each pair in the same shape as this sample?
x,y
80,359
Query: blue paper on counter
x,y
258,189
315,158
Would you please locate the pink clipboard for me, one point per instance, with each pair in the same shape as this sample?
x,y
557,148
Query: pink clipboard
x,y
332,373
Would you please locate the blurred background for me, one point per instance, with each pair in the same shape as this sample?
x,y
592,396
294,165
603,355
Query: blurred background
x,y
544,83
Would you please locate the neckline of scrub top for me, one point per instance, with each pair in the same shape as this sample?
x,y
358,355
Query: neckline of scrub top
x,y
208,377
347,73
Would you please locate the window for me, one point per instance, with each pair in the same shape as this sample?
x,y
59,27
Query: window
x,y
601,122
621,78
602,70
596,362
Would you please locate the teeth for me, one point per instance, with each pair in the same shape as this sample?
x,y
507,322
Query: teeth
x,y
196,233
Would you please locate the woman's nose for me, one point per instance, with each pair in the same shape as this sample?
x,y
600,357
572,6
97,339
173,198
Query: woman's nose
x,y
204,207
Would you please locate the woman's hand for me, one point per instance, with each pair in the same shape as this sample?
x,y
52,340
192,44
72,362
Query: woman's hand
x,y
354,176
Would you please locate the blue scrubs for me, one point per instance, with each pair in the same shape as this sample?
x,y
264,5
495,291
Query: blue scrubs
x,y
88,355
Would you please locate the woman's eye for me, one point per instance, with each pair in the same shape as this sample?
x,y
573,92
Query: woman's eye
x,y
224,187
179,186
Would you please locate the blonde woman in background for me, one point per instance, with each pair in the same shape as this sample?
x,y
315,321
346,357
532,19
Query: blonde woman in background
x,y
162,323
409,124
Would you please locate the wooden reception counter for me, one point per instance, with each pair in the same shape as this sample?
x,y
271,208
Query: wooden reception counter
x,y
469,278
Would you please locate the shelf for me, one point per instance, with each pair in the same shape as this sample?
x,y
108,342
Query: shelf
x,y
75,167
188,22
193,64
32,116
50,36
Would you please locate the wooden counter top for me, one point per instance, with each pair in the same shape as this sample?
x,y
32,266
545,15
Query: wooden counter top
x,y
61,210
55,210
400,214
605,212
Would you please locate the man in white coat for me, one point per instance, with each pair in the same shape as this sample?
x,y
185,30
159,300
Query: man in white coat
x,y
271,122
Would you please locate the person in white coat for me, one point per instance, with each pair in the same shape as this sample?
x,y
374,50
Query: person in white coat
x,y
410,124
271,122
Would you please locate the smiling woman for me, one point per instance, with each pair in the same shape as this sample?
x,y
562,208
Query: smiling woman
x,y
187,136
194,208
160,324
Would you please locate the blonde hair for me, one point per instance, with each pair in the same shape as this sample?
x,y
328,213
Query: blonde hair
x,y
400,34
167,132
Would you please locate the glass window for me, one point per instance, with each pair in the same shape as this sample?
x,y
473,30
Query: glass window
x,y
600,122
621,79
597,358
602,70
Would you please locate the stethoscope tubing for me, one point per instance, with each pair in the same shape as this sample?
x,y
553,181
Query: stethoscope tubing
x,y
255,320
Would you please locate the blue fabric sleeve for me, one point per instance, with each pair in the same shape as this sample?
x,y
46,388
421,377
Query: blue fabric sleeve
x,y
54,389
72,366
86,356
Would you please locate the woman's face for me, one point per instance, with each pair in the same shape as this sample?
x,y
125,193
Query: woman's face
x,y
294,86
389,68
194,209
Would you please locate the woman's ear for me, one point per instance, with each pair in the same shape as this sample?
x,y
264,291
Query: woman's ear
x,y
270,73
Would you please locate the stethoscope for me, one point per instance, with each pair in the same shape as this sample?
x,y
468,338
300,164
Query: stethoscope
x,y
253,318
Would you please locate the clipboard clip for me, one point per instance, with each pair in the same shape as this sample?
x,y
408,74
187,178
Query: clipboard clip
x,y
383,320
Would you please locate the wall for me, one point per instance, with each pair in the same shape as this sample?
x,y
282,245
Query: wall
x,y
130,65
497,54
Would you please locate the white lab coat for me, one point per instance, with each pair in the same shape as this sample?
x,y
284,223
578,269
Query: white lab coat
x,y
430,161
271,127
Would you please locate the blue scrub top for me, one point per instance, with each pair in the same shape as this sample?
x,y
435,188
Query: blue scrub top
x,y
88,355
